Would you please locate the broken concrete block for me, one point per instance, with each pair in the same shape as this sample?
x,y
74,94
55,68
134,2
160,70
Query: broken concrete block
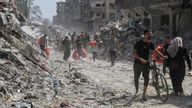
x,y
23,104
8,54
30,50
3,19
64,104
30,96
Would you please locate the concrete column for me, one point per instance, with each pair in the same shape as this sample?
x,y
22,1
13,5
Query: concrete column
x,y
107,9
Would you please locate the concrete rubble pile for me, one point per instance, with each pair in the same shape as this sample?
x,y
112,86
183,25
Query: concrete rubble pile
x,y
81,91
22,68
27,79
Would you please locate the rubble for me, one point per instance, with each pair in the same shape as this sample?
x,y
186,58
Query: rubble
x,y
20,65
29,80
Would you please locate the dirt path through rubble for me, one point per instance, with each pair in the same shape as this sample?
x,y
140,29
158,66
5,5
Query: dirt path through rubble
x,y
120,78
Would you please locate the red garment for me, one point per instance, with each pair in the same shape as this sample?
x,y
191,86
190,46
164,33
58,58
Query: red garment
x,y
82,36
76,56
84,53
48,52
158,58
93,44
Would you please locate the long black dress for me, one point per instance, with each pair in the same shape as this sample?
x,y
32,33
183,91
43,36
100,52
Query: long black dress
x,y
177,69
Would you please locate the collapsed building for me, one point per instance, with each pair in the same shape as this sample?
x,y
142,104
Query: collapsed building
x,y
86,14
94,14
23,67
176,18
27,79
155,14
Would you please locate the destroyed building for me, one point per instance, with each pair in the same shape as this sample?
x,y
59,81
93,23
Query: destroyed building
x,y
155,14
91,14
19,57
68,14
100,12
27,79
176,15
23,7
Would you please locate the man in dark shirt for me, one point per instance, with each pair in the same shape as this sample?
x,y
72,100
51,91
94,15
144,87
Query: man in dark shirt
x,y
113,46
141,53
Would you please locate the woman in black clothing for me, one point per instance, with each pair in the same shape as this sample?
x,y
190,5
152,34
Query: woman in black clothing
x,y
79,45
67,51
177,57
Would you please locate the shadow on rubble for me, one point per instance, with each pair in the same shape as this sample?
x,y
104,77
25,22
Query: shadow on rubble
x,y
180,101
115,99
177,101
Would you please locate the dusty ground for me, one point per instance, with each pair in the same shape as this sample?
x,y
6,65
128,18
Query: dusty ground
x,y
120,79
94,85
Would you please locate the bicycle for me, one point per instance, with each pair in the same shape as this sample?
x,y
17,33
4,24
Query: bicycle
x,y
159,81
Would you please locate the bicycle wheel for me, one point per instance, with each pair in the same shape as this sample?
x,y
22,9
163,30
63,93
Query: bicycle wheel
x,y
161,86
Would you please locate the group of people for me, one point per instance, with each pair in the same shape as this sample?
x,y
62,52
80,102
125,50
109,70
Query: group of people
x,y
93,43
75,42
174,55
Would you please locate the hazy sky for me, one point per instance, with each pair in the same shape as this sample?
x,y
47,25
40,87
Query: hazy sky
x,y
48,7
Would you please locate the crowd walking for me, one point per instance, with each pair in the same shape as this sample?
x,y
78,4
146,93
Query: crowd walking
x,y
171,54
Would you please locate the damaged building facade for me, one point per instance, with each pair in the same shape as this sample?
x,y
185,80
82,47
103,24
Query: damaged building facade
x,y
102,11
69,14
97,13
166,15
87,14
176,16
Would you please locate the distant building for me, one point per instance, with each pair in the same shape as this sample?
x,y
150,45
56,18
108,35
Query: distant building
x,y
90,15
85,14
102,11
68,14
176,15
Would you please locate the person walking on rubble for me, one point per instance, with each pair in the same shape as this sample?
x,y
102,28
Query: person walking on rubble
x,y
98,39
177,56
93,46
73,39
79,45
141,53
43,42
66,43
162,47
83,40
113,46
